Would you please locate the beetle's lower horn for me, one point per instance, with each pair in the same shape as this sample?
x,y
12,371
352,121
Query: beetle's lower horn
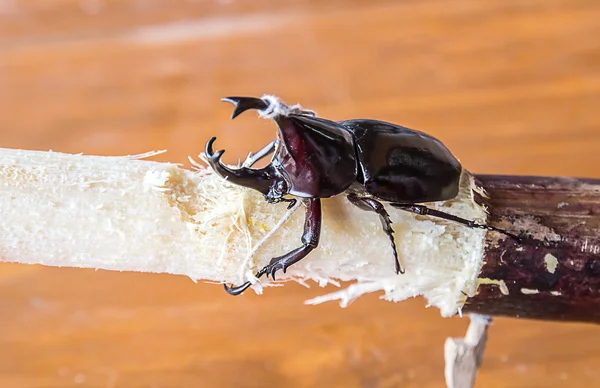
x,y
260,179
243,104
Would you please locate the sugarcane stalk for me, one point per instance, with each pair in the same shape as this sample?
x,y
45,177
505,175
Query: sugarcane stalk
x,y
554,273
127,214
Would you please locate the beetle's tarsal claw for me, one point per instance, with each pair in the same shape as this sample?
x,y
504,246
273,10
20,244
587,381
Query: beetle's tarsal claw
x,y
240,289
236,290
262,272
243,104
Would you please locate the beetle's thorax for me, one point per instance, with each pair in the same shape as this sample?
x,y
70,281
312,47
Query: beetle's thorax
x,y
316,157
300,173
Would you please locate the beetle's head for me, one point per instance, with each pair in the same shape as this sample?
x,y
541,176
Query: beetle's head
x,y
267,180
306,152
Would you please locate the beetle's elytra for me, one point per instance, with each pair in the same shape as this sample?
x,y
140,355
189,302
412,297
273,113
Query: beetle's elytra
x,y
369,161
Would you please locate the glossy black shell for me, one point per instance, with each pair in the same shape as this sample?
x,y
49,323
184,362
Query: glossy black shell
x,y
398,164
317,156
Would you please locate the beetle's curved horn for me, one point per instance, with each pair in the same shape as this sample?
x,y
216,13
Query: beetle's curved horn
x,y
258,179
242,104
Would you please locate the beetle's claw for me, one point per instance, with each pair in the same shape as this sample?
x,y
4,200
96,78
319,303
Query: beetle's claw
x,y
262,272
240,289
272,269
243,104
399,269
236,290
269,270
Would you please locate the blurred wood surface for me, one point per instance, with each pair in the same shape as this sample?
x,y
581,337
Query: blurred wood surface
x,y
510,86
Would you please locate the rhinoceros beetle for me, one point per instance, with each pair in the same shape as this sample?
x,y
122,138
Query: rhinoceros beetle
x,y
369,161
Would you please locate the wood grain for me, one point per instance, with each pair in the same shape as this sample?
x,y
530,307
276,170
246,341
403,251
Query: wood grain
x,y
512,87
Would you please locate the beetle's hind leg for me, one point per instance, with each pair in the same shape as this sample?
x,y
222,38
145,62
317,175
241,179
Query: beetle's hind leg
x,y
310,240
425,211
372,205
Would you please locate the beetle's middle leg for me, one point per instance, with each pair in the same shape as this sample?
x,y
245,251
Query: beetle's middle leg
x,y
425,211
310,240
372,205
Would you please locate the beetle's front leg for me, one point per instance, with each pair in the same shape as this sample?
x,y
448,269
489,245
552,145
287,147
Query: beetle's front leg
x,y
266,150
310,240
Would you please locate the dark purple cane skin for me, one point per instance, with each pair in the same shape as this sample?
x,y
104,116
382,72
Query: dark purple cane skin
x,y
563,217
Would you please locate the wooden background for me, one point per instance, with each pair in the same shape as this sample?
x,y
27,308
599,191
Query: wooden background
x,y
510,86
